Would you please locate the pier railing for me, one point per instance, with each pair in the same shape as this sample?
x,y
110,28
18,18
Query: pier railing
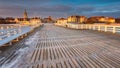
x,y
99,27
9,32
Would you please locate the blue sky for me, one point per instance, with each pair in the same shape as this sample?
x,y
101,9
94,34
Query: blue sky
x,y
59,8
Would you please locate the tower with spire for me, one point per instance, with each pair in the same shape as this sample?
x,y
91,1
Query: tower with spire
x,y
25,15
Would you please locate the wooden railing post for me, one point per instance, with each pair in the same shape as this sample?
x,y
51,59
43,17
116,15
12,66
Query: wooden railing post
x,y
81,26
85,26
93,27
19,29
1,28
7,27
105,29
98,28
8,34
114,29
10,43
89,26
15,32
77,26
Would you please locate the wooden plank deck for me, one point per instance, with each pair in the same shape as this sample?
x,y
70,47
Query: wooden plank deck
x,y
57,47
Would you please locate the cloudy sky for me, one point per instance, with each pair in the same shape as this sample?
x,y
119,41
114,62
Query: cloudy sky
x,y
59,8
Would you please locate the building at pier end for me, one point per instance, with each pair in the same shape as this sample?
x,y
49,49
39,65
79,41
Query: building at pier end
x,y
28,21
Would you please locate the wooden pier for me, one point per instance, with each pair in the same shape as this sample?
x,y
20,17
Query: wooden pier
x,y
58,47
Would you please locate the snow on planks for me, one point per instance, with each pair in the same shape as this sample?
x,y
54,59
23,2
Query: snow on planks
x,y
58,47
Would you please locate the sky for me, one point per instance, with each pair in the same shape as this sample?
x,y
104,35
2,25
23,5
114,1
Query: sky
x,y
59,8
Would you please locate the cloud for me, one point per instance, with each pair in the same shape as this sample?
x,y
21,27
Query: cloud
x,y
85,8
27,2
108,0
54,8
110,14
15,10
11,10
108,10
59,8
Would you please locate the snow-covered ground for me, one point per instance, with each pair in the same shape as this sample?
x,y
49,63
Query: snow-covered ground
x,y
22,55
14,64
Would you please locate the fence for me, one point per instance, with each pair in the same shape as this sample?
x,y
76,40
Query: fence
x,y
99,27
9,32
